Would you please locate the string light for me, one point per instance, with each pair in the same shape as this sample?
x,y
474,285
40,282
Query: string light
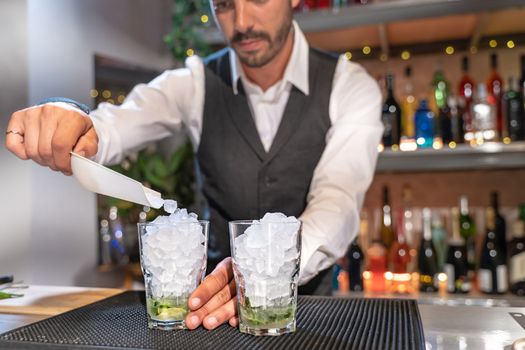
x,y
367,50
383,57
452,144
493,43
348,55
405,55
449,50
506,140
93,93
204,19
190,52
121,98
106,94
111,101
511,44
473,50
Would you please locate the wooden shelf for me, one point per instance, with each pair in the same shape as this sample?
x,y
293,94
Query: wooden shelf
x,y
488,156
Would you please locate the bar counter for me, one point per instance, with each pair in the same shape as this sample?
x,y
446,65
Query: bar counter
x,y
449,323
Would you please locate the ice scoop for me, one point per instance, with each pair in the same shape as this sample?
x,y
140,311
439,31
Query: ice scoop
x,y
99,179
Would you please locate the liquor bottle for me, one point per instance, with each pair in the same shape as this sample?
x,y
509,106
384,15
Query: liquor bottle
x,y
457,114
424,126
439,238
500,227
408,106
468,232
495,90
517,259
387,230
309,5
514,111
427,257
492,274
408,216
445,124
466,93
399,251
484,114
355,259
376,261
391,115
323,4
440,88
456,265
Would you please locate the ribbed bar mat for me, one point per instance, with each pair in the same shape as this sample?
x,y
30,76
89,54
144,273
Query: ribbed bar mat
x,y
322,322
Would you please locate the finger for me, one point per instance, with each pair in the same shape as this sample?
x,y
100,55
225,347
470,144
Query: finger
x,y
221,315
213,283
69,131
234,321
218,301
14,142
87,145
32,135
48,125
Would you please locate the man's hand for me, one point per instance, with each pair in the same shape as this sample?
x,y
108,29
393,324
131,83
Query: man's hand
x,y
47,133
214,302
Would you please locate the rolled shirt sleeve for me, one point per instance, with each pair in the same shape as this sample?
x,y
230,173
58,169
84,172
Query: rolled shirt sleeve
x,y
345,170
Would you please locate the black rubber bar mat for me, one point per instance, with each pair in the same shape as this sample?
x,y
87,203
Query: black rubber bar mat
x,y
322,323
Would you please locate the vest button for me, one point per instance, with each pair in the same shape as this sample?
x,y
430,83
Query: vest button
x,y
269,181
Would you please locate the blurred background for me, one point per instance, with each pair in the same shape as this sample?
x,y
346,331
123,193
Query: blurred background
x,y
54,232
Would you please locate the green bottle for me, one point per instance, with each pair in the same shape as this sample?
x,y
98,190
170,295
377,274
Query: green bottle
x,y
440,88
467,230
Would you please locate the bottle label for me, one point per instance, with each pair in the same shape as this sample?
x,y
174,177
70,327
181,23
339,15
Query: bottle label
x,y
485,280
501,273
451,278
517,268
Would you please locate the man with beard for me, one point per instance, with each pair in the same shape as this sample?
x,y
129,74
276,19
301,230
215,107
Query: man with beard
x,y
276,127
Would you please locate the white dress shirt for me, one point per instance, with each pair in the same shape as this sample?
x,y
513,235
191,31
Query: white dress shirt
x,y
156,110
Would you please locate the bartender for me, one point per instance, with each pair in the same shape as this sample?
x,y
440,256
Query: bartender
x,y
276,127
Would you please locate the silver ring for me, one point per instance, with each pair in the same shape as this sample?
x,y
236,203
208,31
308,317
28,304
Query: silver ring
x,y
14,132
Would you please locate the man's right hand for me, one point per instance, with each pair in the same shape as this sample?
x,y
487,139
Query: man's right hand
x,y
47,133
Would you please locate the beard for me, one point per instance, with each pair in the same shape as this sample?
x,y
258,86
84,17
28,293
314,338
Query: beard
x,y
258,59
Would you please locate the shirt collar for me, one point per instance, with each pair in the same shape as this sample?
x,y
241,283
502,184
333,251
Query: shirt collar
x,y
296,71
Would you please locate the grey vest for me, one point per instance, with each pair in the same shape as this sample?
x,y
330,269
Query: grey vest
x,y
239,179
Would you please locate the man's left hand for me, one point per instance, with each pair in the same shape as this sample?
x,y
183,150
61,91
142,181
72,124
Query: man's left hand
x,y
213,302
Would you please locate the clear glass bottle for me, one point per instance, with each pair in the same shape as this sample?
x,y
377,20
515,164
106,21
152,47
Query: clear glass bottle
x,y
484,114
428,268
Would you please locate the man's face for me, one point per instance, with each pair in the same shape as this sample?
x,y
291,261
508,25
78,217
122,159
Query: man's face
x,y
255,29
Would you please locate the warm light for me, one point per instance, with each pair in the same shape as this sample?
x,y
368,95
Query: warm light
x,y
479,142
506,140
348,55
383,57
389,275
408,145
395,148
121,98
426,278
106,94
511,44
405,55
111,101
401,277
449,50
367,275
493,43
442,277
93,93
190,52
204,19
402,288
380,148
367,50
437,144
452,144
473,50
